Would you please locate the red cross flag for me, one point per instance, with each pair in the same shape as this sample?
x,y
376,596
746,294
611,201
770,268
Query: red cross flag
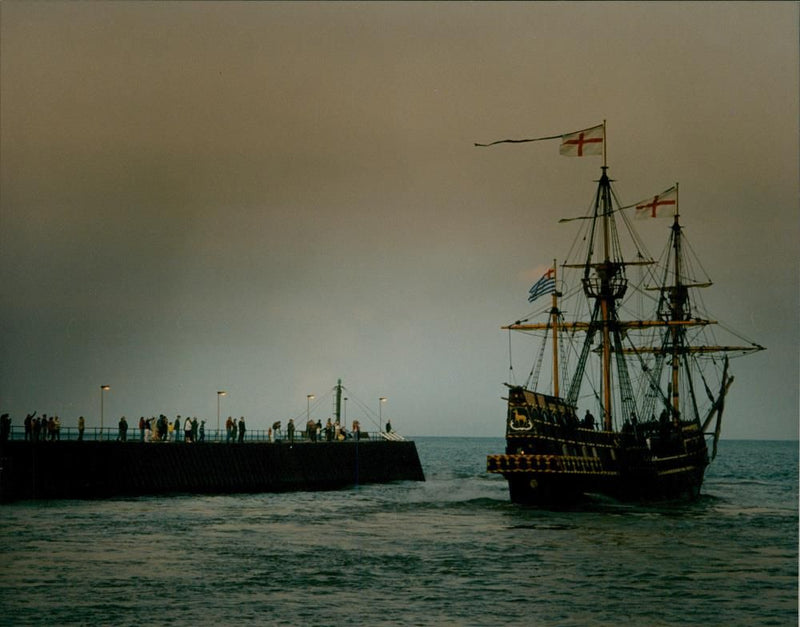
x,y
661,205
583,143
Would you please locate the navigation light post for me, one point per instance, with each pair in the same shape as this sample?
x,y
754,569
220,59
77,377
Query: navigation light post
x,y
220,394
103,388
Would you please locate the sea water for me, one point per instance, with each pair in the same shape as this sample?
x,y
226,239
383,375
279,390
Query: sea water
x,y
450,551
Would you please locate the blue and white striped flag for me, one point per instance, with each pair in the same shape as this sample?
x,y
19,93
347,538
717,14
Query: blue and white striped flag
x,y
545,285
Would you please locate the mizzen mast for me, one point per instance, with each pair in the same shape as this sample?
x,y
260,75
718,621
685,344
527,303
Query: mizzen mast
x,y
554,319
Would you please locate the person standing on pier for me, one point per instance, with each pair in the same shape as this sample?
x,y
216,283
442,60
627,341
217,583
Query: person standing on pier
x,y
81,427
241,429
202,431
5,427
187,430
29,426
290,430
122,436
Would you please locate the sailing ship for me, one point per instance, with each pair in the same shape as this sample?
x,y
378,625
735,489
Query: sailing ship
x,y
630,340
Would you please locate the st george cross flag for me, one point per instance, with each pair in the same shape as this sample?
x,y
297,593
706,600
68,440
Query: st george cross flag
x,y
661,205
583,143
545,285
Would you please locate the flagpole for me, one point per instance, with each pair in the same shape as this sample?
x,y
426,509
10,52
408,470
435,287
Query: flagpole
x,y
677,200
605,145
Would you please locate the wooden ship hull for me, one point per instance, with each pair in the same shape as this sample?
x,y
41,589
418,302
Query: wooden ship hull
x,y
552,462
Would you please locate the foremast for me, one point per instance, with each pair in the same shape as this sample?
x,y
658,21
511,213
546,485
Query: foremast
x,y
675,305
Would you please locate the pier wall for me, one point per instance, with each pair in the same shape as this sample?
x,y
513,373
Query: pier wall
x,y
56,470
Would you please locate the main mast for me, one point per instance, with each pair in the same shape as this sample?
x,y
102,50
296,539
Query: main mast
x,y
554,318
678,298
606,283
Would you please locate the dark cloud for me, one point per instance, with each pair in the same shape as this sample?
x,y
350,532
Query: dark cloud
x,y
263,197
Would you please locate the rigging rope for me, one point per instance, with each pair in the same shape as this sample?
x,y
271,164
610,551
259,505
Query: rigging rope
x,y
536,368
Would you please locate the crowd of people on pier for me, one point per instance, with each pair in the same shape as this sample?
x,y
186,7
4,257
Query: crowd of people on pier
x,y
162,429
315,431
187,430
37,428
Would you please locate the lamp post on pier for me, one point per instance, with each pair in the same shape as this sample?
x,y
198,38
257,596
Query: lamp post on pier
x,y
103,388
381,401
220,394
309,398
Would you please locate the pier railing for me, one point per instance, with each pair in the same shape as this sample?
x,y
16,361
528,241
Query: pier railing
x,y
212,436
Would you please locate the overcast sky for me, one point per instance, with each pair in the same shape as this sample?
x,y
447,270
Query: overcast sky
x,y
264,197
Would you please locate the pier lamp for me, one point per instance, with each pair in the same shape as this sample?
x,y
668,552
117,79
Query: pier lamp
x,y
381,401
220,394
309,398
103,388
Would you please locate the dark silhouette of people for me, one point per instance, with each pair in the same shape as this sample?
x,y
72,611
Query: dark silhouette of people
x,y
122,436
5,427
29,426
